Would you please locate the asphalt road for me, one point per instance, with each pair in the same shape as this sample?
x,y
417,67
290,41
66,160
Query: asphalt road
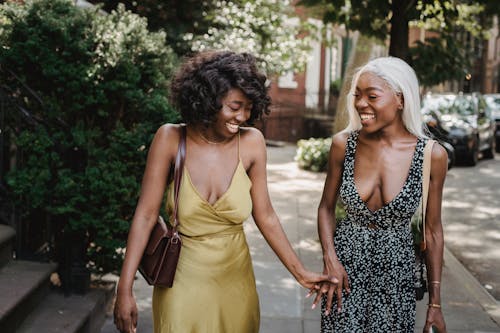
x,y
471,219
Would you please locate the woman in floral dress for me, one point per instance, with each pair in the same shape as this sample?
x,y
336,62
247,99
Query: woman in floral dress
x,y
375,168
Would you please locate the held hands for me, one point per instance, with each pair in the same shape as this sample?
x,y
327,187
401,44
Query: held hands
x,y
125,313
311,280
335,269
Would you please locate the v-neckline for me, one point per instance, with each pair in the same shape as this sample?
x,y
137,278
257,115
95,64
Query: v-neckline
x,y
365,205
186,171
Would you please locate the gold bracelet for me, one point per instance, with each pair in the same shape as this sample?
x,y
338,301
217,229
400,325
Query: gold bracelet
x,y
432,305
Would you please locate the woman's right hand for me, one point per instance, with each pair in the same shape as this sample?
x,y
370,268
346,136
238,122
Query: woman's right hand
x,y
333,268
125,313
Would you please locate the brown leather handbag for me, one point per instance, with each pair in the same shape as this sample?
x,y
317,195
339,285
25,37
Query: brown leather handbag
x,y
159,261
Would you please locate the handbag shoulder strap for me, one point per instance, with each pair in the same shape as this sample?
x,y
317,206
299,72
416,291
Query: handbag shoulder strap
x,y
179,167
426,176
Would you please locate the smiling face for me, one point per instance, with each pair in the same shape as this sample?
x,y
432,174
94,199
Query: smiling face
x,y
377,104
235,111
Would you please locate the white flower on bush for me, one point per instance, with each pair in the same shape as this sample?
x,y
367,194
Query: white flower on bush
x,y
312,154
265,28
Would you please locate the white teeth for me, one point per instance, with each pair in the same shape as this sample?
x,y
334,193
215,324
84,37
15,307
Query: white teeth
x,y
366,116
233,126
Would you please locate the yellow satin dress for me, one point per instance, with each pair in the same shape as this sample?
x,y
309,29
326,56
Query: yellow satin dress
x,y
214,287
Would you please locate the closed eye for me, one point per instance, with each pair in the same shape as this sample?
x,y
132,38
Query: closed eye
x,y
236,107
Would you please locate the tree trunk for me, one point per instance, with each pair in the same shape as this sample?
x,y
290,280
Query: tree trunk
x,y
399,30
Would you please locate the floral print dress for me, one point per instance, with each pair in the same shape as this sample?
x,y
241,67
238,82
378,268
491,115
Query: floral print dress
x,y
376,249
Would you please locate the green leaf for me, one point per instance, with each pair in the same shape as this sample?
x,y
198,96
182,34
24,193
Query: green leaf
x,y
97,94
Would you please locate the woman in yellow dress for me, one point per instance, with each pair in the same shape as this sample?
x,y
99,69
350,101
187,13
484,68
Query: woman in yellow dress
x,y
224,181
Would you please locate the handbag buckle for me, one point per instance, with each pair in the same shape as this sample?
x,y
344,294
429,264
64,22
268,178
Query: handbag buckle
x,y
175,238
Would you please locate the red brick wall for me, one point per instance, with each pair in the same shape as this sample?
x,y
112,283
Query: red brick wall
x,y
414,35
286,121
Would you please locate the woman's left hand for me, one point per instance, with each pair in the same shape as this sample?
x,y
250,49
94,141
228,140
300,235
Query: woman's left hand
x,y
312,281
434,319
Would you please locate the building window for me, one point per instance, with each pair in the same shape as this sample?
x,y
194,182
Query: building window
x,y
287,81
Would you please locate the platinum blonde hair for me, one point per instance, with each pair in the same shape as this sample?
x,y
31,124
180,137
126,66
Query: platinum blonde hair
x,y
402,79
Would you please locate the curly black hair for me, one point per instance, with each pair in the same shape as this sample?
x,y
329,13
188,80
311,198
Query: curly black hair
x,y
204,79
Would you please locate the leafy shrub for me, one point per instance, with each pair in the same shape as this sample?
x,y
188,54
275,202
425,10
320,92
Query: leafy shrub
x,y
335,86
312,154
90,90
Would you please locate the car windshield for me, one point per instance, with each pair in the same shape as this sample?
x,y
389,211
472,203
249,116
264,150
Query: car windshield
x,y
450,104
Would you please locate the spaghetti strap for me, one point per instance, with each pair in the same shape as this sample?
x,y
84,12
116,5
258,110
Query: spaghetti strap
x,y
239,157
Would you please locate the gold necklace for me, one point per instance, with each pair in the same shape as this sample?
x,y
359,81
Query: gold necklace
x,y
204,138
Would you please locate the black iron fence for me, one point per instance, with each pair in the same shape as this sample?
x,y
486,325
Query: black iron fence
x,y
33,234
39,236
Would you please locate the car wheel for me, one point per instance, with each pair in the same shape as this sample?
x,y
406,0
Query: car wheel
x,y
489,153
451,153
451,160
472,156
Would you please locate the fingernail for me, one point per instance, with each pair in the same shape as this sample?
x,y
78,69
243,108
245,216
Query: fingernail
x,y
327,313
313,306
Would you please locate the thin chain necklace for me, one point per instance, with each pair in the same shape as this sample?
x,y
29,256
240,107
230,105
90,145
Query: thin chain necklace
x,y
204,138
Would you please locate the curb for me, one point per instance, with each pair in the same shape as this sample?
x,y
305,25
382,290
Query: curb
x,y
472,285
276,143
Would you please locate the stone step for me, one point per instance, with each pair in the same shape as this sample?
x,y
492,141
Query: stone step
x,y
23,284
7,235
69,314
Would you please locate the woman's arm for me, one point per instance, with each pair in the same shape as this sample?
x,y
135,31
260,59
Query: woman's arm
x,y
264,215
326,209
327,220
161,154
434,237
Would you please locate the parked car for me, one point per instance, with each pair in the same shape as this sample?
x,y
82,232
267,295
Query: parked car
x,y
432,122
450,151
464,121
493,101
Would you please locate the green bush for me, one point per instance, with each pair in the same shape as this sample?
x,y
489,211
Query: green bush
x,y
312,154
92,90
335,86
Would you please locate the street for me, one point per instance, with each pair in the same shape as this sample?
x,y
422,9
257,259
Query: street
x,y
295,195
471,207
290,187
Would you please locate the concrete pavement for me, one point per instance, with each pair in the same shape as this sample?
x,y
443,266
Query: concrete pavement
x,y
295,195
471,208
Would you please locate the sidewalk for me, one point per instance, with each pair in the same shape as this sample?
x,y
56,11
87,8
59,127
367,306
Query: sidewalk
x,y
295,195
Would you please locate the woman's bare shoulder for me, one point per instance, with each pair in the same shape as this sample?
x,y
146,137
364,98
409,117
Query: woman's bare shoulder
x,y
253,138
252,146
169,130
439,156
167,138
339,140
